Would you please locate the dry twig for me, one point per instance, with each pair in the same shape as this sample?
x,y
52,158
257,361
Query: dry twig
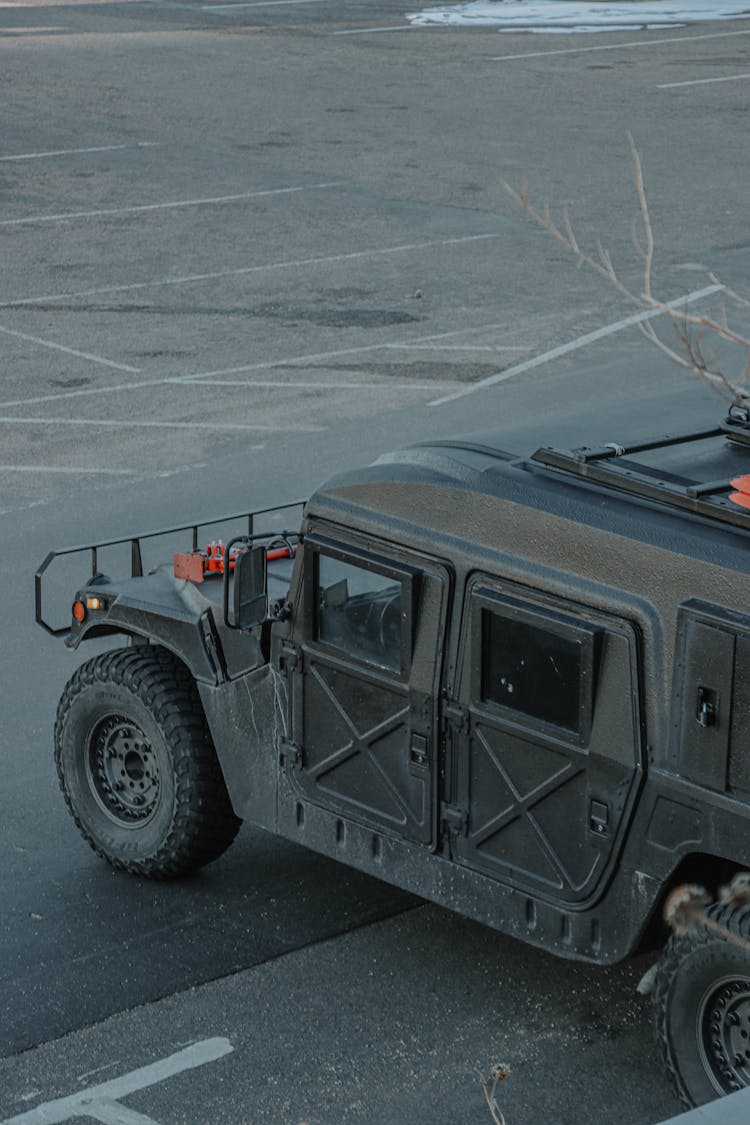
x,y
686,906
690,328
498,1073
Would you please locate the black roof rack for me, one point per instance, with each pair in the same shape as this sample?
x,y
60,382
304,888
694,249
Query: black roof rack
x,y
613,466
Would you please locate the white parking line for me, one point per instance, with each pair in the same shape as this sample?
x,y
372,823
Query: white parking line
x,y
258,4
313,357
460,347
67,469
136,424
75,151
619,46
102,1102
701,81
214,201
573,345
69,351
241,271
284,385
373,30
266,365
109,1112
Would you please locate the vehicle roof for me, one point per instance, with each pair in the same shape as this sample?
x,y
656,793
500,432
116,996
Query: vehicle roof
x,y
672,492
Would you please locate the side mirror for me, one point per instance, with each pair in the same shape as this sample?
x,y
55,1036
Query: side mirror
x,y
250,588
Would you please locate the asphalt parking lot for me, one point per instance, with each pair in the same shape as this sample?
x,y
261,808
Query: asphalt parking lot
x,y
233,223
244,246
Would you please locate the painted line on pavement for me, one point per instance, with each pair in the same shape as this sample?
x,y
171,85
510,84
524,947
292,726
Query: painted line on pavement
x,y
618,46
102,1102
266,365
70,351
460,347
140,208
573,345
75,151
258,4
135,424
240,271
374,30
109,1112
701,81
66,469
148,475
284,385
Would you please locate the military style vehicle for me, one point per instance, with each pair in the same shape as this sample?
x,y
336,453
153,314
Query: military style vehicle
x,y
518,686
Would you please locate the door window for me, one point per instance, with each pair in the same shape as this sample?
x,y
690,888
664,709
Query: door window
x,y
360,612
537,664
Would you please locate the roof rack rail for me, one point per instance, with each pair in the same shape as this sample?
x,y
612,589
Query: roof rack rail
x,y
612,465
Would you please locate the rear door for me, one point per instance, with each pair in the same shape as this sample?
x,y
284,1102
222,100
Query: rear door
x,y
545,771
371,655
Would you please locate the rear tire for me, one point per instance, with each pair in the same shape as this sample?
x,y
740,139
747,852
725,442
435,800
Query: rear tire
x,y
137,765
701,1001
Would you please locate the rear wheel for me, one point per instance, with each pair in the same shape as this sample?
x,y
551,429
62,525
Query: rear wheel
x,y
137,765
702,1007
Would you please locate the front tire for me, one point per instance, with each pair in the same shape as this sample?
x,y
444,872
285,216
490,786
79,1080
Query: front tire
x,y
701,1003
137,765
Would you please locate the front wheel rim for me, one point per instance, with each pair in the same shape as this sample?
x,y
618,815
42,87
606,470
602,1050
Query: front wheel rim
x,y
723,1029
123,771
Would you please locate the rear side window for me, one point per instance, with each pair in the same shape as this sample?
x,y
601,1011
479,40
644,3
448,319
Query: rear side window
x,y
360,612
537,663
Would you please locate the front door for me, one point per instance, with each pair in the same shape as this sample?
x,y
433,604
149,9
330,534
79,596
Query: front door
x,y
547,766
372,647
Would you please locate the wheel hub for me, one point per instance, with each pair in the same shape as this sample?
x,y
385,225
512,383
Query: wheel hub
x,y
123,771
724,1033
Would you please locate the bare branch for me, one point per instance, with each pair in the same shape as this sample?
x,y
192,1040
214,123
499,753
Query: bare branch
x,y
571,233
498,1073
636,239
691,328
744,374
645,217
738,300
648,331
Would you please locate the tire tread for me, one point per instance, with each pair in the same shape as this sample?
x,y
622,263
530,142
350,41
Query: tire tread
x,y
734,918
204,823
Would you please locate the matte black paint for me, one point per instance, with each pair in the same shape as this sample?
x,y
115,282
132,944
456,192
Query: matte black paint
x,y
566,839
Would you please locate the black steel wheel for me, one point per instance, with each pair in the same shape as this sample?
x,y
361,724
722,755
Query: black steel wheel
x,y
137,765
701,1003
123,770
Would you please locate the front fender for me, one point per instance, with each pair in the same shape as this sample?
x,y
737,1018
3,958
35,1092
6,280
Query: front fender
x,y
159,609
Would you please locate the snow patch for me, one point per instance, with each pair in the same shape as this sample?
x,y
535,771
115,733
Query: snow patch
x,y
566,16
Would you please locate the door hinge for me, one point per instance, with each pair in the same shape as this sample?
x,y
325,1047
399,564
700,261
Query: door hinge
x,y
290,752
455,819
456,715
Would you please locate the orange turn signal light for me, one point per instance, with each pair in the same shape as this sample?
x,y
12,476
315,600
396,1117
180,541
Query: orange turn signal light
x,y
79,611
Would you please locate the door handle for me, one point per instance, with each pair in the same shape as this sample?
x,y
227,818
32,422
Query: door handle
x,y
708,707
419,750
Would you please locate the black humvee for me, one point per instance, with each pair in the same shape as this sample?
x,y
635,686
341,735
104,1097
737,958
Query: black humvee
x,y
518,687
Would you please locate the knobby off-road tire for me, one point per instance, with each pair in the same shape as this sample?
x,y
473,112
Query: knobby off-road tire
x,y
137,765
701,1007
